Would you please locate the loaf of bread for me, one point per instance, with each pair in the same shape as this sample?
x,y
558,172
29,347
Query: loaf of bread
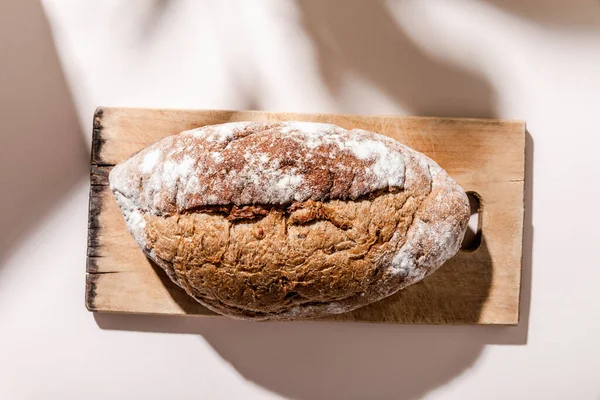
x,y
290,220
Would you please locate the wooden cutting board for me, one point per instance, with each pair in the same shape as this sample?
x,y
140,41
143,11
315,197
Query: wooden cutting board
x,y
475,287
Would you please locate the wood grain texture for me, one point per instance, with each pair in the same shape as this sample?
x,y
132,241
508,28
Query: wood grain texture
x,y
475,287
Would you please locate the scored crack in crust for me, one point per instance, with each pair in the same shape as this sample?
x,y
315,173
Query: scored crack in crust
x,y
289,220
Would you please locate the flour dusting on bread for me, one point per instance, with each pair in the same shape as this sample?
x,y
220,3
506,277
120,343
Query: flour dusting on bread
x,y
238,163
134,219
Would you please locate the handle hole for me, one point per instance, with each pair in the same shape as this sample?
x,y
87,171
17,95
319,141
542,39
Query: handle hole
x,y
472,239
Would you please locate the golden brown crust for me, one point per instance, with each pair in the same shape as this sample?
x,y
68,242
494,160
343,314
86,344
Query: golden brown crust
x,y
329,253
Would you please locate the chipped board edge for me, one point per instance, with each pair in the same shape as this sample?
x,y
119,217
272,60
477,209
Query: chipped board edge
x,y
97,139
90,291
94,210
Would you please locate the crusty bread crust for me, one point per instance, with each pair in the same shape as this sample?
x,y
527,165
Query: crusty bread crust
x,y
289,220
